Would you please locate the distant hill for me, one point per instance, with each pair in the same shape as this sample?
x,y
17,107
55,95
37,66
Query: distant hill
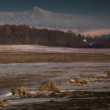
x,y
96,32
43,18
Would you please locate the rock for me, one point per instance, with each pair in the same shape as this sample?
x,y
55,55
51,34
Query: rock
x,y
101,77
78,80
82,75
49,86
23,93
88,76
107,74
71,81
84,82
1,103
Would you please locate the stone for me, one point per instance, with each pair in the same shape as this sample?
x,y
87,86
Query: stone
x,y
78,80
23,93
1,103
71,81
84,82
49,86
82,75
107,74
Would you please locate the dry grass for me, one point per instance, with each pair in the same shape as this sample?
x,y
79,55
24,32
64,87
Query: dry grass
x,y
51,57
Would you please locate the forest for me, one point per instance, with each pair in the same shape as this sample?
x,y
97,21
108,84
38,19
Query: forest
x,y
25,35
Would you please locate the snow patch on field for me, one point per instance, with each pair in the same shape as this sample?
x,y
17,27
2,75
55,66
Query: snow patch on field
x,y
46,49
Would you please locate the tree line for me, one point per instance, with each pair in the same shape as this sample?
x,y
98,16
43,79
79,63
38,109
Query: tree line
x,y
25,35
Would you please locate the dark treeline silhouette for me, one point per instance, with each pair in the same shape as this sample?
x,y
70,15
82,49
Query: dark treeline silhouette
x,y
106,36
23,34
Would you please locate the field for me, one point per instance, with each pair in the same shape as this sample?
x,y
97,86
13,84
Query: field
x,y
52,57
31,69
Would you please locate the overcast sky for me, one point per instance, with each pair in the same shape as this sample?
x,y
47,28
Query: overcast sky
x,y
94,7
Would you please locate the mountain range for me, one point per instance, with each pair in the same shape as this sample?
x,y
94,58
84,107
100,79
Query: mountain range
x,y
43,18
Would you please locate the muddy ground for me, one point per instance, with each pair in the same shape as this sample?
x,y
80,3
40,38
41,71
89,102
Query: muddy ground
x,y
78,100
91,96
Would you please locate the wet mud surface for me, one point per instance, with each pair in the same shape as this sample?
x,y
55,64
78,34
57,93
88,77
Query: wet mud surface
x,y
95,95
78,100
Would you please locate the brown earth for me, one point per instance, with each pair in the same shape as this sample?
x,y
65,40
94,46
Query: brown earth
x,y
51,57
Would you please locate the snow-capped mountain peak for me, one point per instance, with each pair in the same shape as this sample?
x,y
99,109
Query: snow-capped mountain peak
x,y
43,18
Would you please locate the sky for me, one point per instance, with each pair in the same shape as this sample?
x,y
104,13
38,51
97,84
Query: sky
x,y
93,7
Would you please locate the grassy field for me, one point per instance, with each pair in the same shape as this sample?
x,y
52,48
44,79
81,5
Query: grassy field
x,y
51,57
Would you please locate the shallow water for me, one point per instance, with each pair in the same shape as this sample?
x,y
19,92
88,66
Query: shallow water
x,y
32,75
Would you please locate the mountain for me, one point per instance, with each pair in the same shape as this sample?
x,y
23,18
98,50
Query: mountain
x,y
96,32
43,18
